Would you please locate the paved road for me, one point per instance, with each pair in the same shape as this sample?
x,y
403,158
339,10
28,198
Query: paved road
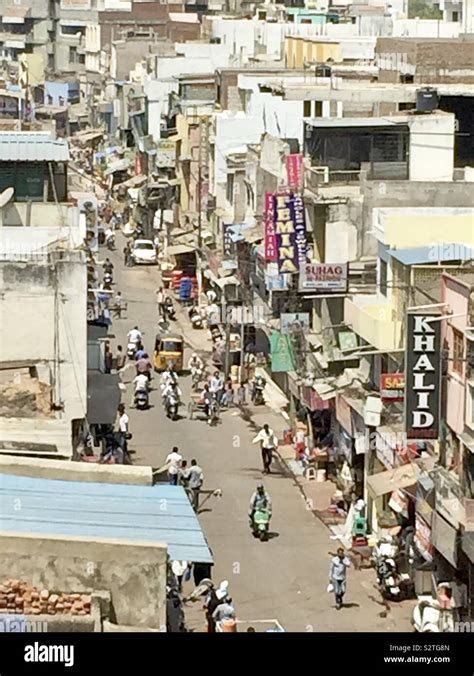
x,y
284,578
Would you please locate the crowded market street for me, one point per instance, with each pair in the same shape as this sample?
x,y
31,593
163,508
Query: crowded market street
x,y
292,592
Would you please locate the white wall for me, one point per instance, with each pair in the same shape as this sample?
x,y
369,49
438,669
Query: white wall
x,y
431,147
158,92
468,16
425,28
238,35
32,312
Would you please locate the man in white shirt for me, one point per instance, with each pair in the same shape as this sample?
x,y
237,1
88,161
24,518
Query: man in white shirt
x,y
268,443
140,384
134,336
123,423
216,386
173,459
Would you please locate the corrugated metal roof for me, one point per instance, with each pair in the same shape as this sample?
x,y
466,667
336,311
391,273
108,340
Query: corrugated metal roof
x,y
27,146
433,253
159,514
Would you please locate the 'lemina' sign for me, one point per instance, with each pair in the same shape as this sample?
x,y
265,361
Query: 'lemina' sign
x,y
422,377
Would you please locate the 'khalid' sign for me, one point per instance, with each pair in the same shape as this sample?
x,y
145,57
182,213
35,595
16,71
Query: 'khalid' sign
x,y
290,232
422,377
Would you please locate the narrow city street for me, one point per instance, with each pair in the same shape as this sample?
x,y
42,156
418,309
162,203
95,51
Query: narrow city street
x,y
294,590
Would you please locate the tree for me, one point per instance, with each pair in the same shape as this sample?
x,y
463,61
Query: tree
x,y
423,10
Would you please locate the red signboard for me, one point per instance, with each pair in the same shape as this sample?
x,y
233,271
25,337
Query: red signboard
x,y
392,386
270,234
294,170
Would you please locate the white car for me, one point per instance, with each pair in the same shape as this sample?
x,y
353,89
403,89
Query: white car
x,y
143,251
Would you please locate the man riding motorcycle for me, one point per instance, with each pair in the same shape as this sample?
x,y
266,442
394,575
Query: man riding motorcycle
x,y
140,384
260,501
196,368
172,397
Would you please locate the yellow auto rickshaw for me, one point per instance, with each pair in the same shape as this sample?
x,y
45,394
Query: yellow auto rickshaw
x,y
169,348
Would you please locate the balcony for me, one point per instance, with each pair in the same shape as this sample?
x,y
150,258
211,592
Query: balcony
x,y
372,317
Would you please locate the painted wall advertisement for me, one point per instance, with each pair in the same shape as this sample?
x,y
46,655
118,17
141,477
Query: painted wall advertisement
x,y
422,376
290,231
294,170
325,277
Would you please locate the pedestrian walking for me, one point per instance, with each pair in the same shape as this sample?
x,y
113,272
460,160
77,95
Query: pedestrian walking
x,y
268,444
179,569
108,358
160,299
241,394
216,386
120,358
123,428
338,575
194,480
118,304
174,459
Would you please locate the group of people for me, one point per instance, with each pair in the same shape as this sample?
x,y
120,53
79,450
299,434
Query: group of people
x,y
180,474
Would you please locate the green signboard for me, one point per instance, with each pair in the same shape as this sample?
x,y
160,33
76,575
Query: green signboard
x,y
281,353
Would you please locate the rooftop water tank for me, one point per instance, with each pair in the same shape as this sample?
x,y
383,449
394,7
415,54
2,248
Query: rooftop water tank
x,y
426,100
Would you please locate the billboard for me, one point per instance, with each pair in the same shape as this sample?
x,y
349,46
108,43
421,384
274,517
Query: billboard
x,y
327,277
392,386
422,376
281,353
294,171
165,153
294,322
269,223
290,232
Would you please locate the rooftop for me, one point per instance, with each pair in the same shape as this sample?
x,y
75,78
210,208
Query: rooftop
x,y
32,146
157,514
433,254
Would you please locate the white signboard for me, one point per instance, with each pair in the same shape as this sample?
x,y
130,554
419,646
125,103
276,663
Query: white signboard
x,y
323,277
166,153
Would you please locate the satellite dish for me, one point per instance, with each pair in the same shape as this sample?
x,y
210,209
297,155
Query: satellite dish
x,y
6,196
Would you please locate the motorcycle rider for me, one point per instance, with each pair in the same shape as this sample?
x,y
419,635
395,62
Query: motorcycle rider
x,y
108,266
258,386
144,366
109,238
260,500
140,383
172,396
216,386
195,363
169,311
134,336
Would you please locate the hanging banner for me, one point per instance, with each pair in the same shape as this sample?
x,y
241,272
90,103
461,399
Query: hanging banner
x,y
290,232
269,222
423,539
392,386
281,353
294,170
422,376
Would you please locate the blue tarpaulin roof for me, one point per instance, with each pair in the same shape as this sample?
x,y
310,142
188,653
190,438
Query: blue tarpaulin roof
x,y
159,514
433,253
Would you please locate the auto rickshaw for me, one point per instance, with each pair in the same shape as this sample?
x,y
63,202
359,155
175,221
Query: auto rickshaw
x,y
169,348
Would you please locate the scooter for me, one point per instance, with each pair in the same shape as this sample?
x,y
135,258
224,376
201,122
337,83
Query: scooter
x,y
141,399
110,242
196,318
108,278
171,407
261,523
170,312
131,350
257,392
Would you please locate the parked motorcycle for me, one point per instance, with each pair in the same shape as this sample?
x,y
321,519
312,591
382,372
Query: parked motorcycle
x,y
257,390
261,523
170,312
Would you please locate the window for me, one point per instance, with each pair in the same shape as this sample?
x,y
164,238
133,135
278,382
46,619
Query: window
x,y
230,188
470,405
318,109
72,54
383,277
458,350
455,16
307,109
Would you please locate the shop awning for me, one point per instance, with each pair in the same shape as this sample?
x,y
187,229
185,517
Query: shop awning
x,y
224,281
103,397
468,546
179,249
399,478
121,165
87,135
324,390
